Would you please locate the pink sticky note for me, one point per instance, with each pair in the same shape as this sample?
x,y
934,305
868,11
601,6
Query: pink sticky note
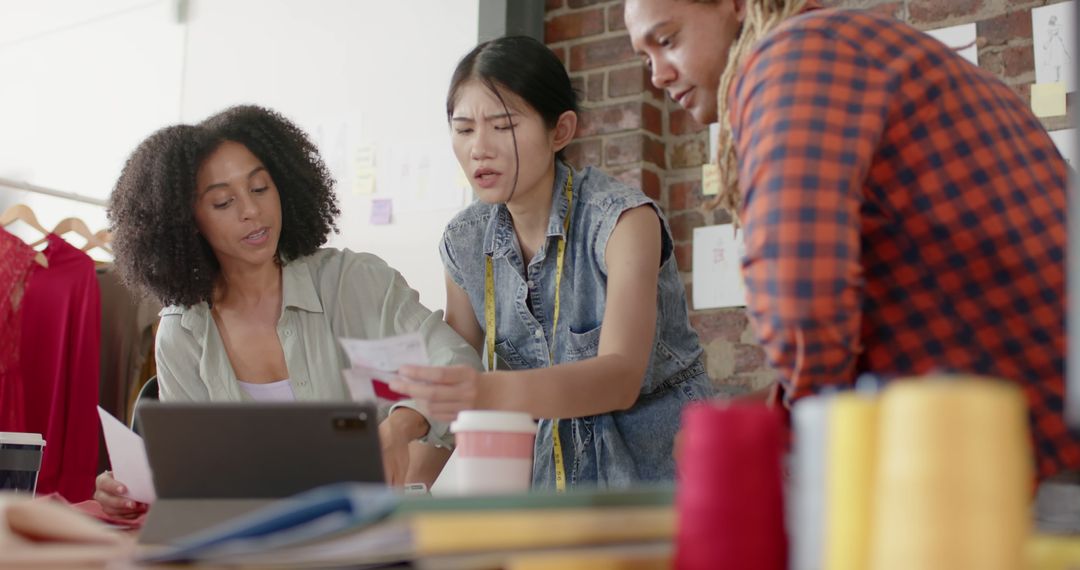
x,y
380,211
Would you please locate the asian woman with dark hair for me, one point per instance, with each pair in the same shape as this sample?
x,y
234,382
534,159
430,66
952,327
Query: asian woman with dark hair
x,y
564,278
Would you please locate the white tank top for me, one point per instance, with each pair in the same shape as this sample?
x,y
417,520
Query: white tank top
x,y
280,391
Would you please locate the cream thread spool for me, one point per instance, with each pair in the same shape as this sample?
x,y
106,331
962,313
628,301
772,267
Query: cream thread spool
x,y
953,478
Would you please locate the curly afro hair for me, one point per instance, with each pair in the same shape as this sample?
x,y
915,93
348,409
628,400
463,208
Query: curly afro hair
x,y
156,244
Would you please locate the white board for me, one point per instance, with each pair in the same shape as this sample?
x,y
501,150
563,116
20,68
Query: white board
x,y
1065,139
718,280
1054,34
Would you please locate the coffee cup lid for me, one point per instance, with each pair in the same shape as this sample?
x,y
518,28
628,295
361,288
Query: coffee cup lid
x,y
18,438
487,420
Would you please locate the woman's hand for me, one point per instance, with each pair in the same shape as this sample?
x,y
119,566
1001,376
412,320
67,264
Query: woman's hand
x,y
110,494
442,390
400,428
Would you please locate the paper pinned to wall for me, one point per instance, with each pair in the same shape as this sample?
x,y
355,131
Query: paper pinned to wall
x,y
1065,139
1048,99
420,175
1054,37
710,179
364,185
364,169
718,281
381,209
334,137
714,134
960,39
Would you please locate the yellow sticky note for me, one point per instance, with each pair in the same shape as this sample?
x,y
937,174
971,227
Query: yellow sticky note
x,y
710,179
364,157
1048,99
364,184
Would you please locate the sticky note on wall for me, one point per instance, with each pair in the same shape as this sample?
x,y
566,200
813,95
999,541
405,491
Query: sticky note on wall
x,y
365,174
1048,99
364,185
710,179
380,211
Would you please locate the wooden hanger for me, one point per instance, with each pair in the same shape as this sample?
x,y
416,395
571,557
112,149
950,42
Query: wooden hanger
x,y
102,239
68,225
23,213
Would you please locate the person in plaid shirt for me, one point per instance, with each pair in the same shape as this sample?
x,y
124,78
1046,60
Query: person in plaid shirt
x,y
904,210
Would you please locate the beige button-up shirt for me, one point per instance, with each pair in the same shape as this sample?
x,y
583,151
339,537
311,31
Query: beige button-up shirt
x,y
325,296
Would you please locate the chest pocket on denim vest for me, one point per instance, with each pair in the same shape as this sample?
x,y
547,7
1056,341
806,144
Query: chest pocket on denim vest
x,y
582,345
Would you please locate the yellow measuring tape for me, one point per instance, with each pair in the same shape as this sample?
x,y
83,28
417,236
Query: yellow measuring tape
x,y
489,324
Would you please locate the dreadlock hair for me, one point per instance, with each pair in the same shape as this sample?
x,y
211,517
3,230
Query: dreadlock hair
x,y
762,17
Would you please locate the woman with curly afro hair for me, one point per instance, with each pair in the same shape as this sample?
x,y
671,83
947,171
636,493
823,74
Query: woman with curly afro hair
x,y
223,222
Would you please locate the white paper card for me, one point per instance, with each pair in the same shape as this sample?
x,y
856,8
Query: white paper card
x,y
386,354
718,278
446,483
359,383
374,363
960,38
1053,34
1065,139
127,454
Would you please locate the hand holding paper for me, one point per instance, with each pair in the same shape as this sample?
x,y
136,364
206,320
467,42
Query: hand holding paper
x,y
443,391
127,454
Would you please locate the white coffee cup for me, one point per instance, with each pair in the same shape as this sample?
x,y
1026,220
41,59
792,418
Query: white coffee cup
x,y
20,461
494,451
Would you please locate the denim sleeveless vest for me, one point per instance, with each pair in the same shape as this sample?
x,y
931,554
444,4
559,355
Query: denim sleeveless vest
x,y
614,449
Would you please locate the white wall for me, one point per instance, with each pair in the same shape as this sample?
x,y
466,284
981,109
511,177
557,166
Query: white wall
x,y
80,85
359,75
355,74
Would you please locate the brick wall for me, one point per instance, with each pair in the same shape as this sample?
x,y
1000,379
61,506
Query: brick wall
x,y
635,133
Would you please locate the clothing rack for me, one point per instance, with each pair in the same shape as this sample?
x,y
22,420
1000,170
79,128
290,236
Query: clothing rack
x,y
16,185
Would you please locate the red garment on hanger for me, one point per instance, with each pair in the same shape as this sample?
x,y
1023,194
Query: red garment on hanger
x,y
16,261
61,335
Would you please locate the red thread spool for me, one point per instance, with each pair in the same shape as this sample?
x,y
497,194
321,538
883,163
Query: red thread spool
x,y
730,497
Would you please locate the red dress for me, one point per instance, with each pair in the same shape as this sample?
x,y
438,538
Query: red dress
x,y
16,261
61,336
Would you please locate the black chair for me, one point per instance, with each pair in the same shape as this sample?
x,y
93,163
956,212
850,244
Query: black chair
x,y
148,393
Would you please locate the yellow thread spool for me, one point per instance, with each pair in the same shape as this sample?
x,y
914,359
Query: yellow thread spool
x,y
1053,552
953,477
849,483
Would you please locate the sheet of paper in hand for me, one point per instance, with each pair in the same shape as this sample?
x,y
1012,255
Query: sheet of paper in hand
x,y
127,455
375,363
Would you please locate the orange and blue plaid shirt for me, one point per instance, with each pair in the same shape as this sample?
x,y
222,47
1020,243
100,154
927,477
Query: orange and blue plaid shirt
x,y
904,214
